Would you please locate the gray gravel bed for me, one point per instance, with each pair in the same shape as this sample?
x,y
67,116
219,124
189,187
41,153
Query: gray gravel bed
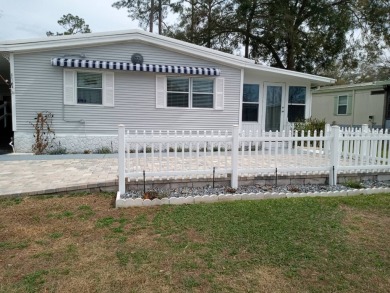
x,y
208,189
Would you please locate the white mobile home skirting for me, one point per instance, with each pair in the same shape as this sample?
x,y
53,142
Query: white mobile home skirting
x,y
23,142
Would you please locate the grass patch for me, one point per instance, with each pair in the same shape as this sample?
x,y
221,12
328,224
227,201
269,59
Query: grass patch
x,y
6,202
13,245
55,235
34,281
286,245
354,184
123,258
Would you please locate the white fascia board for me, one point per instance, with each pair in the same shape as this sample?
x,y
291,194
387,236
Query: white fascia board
x,y
316,79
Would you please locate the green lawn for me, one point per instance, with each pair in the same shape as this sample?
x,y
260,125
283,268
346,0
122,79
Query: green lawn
x,y
81,243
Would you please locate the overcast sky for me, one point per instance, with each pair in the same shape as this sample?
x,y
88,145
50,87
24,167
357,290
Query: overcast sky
x,y
23,19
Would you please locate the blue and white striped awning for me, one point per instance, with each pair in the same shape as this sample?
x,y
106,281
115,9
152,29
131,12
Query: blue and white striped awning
x,y
127,66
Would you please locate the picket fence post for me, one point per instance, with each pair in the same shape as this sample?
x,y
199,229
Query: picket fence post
x,y
121,158
334,155
234,159
364,154
327,143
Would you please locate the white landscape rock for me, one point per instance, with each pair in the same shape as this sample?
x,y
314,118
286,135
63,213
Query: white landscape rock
x,y
121,203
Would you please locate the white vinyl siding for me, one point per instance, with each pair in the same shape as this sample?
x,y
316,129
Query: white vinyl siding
x,y
40,86
88,88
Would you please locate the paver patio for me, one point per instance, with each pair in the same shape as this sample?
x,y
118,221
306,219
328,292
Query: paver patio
x,y
35,175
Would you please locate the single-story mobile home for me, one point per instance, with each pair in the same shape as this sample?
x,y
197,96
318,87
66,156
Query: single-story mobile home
x,y
93,82
353,104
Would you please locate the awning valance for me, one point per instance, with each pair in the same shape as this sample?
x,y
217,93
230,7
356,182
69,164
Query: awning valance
x,y
127,66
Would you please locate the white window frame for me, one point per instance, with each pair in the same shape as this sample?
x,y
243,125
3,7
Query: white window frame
x,y
77,87
70,88
255,103
296,104
162,93
191,92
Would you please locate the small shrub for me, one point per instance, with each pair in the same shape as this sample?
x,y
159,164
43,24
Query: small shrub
x,y
230,190
87,152
58,151
354,184
103,150
150,195
310,124
293,188
178,149
215,149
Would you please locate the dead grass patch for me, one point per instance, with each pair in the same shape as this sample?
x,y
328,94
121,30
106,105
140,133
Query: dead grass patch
x,y
264,279
368,229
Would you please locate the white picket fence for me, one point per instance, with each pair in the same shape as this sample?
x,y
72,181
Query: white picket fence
x,y
200,154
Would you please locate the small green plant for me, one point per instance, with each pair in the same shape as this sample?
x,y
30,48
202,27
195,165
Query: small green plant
x,y
103,150
55,235
57,150
310,124
123,257
105,222
354,184
34,281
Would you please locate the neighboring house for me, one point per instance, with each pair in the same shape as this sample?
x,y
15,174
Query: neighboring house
x,y
93,82
353,104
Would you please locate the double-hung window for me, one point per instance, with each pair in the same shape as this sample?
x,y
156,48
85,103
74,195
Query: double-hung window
x,y
190,92
342,105
296,103
89,88
250,103
84,87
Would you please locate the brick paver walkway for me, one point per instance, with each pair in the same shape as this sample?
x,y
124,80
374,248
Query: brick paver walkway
x,y
49,174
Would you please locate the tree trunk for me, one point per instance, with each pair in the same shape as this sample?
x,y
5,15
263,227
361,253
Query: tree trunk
x,y
159,17
151,16
249,28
